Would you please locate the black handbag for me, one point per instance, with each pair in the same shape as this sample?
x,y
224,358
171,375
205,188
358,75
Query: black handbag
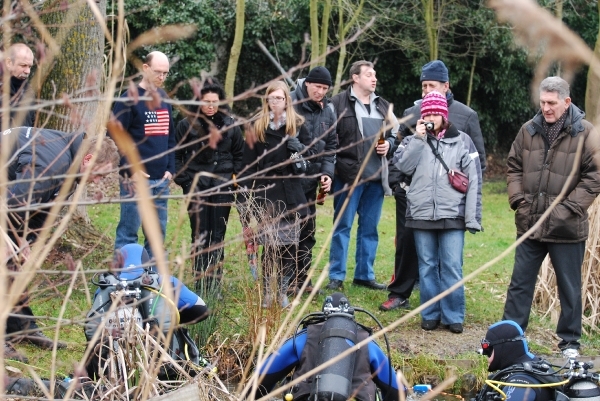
x,y
458,179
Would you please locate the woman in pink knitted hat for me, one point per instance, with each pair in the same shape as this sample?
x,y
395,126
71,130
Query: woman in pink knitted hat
x,y
442,204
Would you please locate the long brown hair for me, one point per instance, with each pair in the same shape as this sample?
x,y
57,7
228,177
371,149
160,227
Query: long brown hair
x,y
293,120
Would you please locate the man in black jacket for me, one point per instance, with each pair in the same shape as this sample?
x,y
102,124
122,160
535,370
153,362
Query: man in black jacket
x,y
434,77
18,64
36,171
319,119
366,132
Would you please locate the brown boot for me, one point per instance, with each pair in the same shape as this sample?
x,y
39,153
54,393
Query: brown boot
x,y
39,339
11,353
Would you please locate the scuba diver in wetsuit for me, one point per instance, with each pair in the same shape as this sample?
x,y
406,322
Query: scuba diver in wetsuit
x,y
519,375
325,335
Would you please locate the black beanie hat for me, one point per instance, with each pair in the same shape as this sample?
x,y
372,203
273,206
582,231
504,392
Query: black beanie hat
x,y
509,344
319,75
434,71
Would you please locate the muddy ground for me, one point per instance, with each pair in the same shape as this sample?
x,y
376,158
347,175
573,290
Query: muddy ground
x,y
412,340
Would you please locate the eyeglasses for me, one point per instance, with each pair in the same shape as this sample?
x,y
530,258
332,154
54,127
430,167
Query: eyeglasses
x,y
487,347
275,99
160,74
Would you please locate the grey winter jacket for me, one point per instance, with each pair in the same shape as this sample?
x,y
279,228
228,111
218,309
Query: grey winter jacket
x,y
320,125
431,198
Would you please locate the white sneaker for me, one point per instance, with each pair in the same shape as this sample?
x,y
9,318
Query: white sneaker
x,y
570,353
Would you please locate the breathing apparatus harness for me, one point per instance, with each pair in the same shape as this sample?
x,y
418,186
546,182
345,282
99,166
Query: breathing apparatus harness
x,y
339,323
142,294
573,372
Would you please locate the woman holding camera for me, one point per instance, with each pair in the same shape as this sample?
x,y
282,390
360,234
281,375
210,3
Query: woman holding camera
x,y
442,204
276,199
215,167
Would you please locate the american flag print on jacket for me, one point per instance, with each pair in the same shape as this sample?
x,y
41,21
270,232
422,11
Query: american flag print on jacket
x,y
157,123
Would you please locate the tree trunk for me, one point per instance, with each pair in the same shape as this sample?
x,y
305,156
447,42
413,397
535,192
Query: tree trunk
x,y
325,31
471,74
431,28
559,15
236,49
76,73
592,102
314,33
78,70
343,29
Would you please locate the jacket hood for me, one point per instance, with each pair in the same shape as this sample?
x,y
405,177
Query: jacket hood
x,y
134,256
576,115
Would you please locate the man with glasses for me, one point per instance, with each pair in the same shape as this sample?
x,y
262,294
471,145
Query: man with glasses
x,y
366,130
507,351
151,127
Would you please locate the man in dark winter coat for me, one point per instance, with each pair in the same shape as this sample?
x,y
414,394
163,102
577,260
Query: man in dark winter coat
x,y
540,164
319,119
434,77
507,351
18,63
365,142
153,131
36,173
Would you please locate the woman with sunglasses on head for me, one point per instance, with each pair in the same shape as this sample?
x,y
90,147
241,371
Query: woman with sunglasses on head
x,y
439,212
215,167
277,200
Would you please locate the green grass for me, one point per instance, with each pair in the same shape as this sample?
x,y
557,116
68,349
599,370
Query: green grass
x,y
239,315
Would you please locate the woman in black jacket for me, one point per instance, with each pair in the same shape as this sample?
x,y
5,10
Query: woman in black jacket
x,y
276,200
215,166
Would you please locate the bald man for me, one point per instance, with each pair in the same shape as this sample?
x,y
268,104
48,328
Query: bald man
x,y
151,128
18,61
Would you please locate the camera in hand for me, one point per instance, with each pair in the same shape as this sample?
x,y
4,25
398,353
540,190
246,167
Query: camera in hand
x,y
428,126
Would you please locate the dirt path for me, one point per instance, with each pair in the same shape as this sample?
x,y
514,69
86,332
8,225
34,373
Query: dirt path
x,y
412,340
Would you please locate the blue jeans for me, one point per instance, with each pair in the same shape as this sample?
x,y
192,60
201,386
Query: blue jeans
x,y
440,255
366,200
130,222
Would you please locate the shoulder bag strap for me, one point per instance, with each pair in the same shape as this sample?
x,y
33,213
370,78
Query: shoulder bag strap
x,y
437,155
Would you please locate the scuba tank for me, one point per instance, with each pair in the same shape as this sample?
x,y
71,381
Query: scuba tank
x,y
582,386
334,383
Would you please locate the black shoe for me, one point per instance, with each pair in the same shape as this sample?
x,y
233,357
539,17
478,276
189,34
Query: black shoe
x,y
456,328
39,339
335,285
429,324
394,303
372,284
11,353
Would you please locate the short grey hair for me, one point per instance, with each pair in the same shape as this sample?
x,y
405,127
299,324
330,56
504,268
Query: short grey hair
x,y
557,85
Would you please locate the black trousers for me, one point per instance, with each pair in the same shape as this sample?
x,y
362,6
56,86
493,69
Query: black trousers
x,y
406,263
208,220
307,239
566,259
